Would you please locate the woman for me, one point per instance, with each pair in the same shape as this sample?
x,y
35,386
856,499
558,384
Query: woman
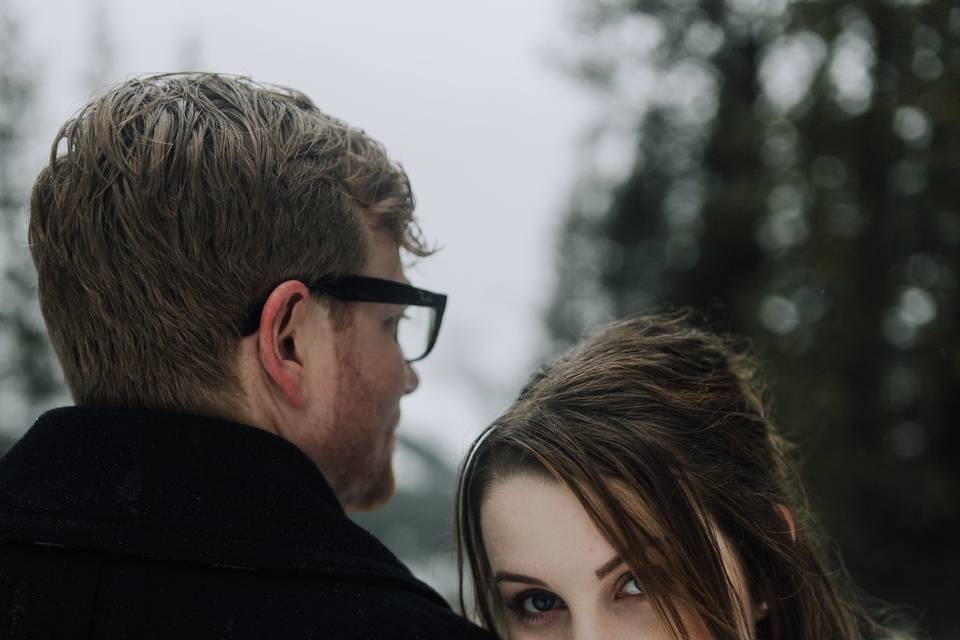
x,y
638,489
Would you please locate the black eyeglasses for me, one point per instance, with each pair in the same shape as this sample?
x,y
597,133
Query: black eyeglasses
x,y
417,328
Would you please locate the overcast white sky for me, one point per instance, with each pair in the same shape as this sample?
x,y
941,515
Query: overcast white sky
x,y
466,95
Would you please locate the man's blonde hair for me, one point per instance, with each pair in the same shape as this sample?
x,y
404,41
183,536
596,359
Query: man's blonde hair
x,y
170,204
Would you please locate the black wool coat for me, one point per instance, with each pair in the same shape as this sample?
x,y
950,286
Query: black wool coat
x,y
145,524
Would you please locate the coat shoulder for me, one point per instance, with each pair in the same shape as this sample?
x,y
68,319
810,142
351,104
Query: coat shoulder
x,y
47,591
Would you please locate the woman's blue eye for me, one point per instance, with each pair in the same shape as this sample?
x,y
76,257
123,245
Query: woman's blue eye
x,y
535,606
539,602
631,588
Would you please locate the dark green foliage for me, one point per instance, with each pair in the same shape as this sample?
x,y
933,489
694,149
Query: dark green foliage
x,y
825,225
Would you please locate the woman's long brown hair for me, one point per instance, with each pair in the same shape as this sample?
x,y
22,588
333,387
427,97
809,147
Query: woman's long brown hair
x,y
661,432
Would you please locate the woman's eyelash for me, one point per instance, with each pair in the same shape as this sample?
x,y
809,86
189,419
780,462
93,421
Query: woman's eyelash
x,y
516,604
625,580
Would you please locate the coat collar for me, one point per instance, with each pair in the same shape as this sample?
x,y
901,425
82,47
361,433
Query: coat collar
x,y
184,488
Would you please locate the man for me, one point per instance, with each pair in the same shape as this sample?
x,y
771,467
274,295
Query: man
x,y
220,276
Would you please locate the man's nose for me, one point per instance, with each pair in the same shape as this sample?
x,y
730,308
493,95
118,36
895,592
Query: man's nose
x,y
413,380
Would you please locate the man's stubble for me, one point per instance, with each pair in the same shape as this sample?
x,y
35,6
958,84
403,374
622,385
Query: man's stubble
x,y
363,442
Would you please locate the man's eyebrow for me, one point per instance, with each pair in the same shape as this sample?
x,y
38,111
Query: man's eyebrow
x,y
503,576
608,566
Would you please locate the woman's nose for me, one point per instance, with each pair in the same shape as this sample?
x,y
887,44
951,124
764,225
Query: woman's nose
x,y
592,626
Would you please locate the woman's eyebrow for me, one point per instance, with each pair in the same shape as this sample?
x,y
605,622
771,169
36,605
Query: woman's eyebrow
x,y
503,576
608,566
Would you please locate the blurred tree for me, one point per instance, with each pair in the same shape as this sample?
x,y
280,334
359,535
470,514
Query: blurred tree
x,y
793,176
99,70
30,378
28,370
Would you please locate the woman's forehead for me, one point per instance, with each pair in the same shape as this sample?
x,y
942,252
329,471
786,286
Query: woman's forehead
x,y
535,522
534,526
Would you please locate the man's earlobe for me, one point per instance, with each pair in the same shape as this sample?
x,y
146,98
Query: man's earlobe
x,y
280,340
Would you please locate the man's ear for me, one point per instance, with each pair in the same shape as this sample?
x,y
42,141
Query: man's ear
x,y
282,338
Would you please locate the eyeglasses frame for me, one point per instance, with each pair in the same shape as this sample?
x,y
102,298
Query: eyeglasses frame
x,y
355,288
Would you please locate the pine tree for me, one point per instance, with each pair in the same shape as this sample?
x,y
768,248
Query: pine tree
x,y
794,180
29,374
